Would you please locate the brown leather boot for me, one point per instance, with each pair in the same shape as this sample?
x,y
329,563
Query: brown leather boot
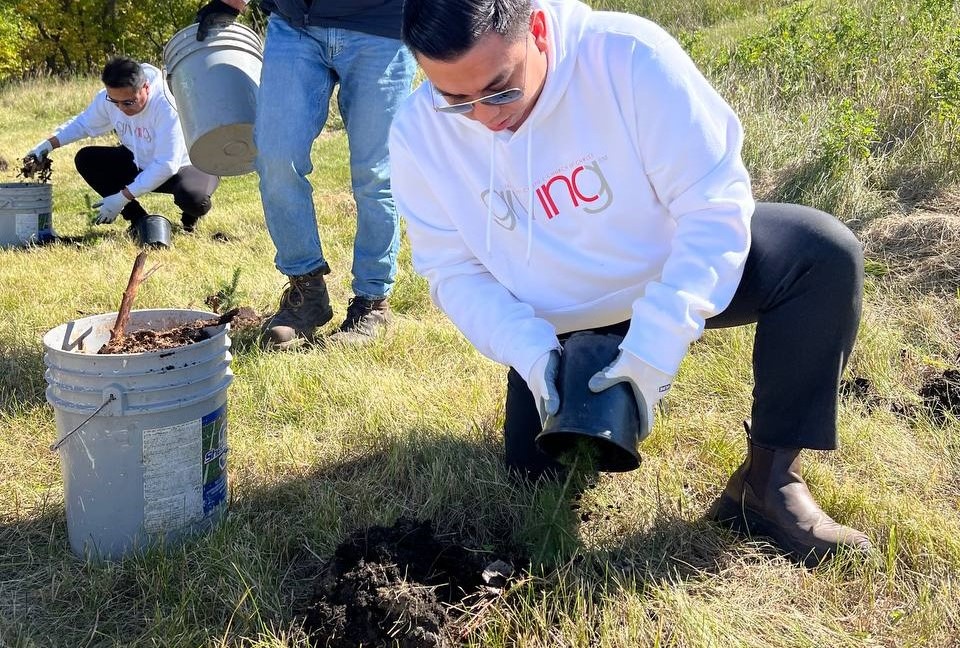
x,y
766,496
304,307
365,320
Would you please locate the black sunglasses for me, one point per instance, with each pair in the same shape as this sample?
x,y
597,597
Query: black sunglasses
x,y
126,103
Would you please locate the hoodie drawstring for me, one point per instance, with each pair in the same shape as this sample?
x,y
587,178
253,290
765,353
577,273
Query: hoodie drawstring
x,y
493,162
529,192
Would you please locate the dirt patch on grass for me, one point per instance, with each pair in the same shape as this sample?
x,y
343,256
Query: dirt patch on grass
x,y
920,250
400,586
941,395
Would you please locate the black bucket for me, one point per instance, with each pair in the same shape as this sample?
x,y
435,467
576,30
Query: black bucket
x,y
154,231
609,419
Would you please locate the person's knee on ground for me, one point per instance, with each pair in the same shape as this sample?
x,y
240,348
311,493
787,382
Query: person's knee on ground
x,y
192,208
522,457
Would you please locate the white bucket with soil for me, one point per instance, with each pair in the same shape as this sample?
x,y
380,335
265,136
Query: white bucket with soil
x,y
215,84
26,213
142,437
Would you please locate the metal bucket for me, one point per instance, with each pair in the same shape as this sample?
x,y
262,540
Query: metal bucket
x,y
142,436
26,214
215,83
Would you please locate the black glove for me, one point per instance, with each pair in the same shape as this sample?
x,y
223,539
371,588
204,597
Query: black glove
x,y
212,12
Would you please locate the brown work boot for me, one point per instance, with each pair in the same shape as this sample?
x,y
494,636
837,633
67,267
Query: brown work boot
x,y
766,496
366,318
304,307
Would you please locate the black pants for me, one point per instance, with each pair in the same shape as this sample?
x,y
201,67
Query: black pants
x,y
108,169
802,285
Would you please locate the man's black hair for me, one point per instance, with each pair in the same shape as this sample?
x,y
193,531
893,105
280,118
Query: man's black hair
x,y
122,72
445,29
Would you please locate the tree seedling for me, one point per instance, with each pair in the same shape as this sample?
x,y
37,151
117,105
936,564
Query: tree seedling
x,y
556,532
92,212
227,297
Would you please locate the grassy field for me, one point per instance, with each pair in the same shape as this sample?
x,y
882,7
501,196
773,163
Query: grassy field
x,y
849,107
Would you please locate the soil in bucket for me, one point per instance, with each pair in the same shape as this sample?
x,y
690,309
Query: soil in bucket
x,y
400,586
149,340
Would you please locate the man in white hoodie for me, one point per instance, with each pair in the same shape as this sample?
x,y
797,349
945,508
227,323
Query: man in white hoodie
x,y
151,156
568,170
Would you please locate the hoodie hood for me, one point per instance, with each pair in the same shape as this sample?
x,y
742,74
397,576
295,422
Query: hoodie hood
x,y
562,45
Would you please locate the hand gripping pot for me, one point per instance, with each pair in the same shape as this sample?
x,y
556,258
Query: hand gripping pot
x,y
610,420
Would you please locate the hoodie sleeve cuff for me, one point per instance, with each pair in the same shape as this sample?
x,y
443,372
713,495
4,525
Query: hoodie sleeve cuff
x,y
522,348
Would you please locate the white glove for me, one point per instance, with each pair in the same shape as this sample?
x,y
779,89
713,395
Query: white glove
x,y
649,385
41,150
543,384
110,208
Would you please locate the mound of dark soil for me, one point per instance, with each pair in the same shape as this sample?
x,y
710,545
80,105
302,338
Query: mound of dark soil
x,y
941,395
397,586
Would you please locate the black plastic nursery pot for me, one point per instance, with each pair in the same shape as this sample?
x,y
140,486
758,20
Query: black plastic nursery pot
x,y
610,420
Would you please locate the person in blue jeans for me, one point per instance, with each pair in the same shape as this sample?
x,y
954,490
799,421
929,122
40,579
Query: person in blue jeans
x,y
311,47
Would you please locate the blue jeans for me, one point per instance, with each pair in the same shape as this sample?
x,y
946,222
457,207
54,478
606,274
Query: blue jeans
x,y
300,69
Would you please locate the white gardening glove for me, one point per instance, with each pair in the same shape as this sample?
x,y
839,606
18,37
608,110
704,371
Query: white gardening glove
x,y
110,208
41,150
543,384
649,385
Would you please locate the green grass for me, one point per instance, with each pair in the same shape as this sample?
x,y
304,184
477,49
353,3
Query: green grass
x,y
325,442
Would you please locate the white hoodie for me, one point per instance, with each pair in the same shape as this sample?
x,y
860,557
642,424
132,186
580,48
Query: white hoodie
x,y
153,134
641,204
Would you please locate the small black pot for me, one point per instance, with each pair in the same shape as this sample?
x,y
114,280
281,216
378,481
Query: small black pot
x,y
610,419
154,231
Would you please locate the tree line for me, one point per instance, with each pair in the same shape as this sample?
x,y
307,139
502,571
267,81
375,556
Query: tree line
x,y
67,37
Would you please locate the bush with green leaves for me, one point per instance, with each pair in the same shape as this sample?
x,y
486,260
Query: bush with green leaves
x,y
65,37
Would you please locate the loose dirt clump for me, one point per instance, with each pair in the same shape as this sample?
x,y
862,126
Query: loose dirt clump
x,y
941,395
42,169
398,586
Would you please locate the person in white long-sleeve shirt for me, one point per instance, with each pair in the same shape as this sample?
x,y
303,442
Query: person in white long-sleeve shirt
x,y
565,170
152,155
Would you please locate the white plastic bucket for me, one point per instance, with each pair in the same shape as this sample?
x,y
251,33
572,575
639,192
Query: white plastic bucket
x,y
215,84
142,436
26,214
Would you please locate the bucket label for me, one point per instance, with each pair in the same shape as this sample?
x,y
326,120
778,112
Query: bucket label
x,y
26,226
172,477
44,224
214,459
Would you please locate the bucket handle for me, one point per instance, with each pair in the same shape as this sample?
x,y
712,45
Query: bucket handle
x,y
165,75
110,393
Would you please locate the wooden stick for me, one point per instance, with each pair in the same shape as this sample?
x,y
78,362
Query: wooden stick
x,y
126,303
